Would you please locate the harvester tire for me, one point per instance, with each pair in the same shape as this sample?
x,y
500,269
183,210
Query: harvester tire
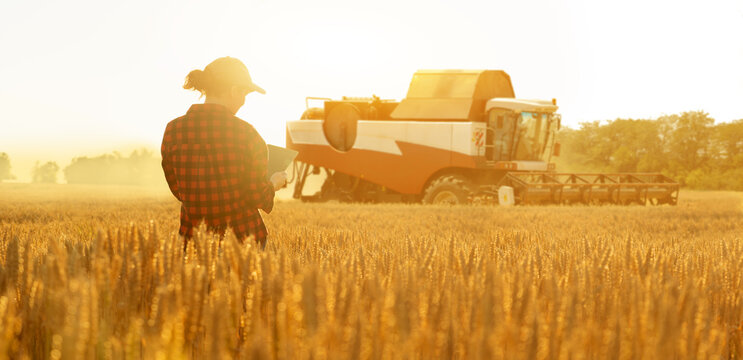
x,y
448,189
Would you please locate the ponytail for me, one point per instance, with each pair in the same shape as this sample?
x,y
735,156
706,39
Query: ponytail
x,y
197,80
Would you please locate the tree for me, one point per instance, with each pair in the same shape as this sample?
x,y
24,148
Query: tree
x,y
46,173
728,139
633,143
689,141
5,168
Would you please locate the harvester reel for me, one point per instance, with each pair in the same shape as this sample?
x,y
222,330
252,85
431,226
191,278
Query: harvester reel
x,y
340,126
448,189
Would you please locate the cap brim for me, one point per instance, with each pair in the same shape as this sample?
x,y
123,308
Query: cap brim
x,y
256,88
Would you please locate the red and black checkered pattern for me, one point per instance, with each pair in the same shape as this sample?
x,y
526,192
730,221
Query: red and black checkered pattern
x,y
215,164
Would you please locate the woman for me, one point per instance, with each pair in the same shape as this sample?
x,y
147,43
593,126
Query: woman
x,y
214,162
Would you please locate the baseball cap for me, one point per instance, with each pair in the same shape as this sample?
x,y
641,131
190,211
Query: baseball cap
x,y
231,71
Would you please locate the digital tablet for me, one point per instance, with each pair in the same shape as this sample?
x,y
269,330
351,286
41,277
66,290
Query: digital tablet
x,y
279,159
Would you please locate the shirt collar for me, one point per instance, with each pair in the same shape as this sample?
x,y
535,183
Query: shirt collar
x,y
209,108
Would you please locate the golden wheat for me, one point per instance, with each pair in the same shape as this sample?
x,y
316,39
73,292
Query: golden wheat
x,y
100,273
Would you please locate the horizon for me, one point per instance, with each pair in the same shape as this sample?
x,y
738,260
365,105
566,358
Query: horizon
x,y
126,150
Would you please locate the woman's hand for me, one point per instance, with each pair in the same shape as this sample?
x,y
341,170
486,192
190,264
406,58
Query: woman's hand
x,y
278,179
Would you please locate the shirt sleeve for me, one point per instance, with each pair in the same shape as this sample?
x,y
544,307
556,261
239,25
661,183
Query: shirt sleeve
x,y
260,190
167,164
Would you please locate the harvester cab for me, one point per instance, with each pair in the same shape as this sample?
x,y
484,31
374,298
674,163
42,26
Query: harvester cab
x,y
522,130
458,135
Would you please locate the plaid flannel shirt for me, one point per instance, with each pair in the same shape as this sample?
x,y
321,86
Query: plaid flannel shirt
x,y
215,164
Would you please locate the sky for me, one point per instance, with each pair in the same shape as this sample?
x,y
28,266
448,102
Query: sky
x,y
84,77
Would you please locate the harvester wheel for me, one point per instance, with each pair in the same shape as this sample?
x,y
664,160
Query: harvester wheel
x,y
448,189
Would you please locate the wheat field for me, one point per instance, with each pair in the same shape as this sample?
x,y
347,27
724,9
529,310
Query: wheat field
x,y
98,273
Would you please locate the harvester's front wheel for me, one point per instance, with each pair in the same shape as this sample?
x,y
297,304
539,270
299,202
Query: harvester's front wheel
x,y
448,189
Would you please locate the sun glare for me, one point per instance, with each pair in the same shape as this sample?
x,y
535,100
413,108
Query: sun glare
x,y
119,92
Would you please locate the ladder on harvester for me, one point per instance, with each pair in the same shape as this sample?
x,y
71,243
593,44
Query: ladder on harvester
x,y
567,188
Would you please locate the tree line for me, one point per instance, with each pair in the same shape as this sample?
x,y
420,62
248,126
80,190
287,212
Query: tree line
x,y
688,147
141,167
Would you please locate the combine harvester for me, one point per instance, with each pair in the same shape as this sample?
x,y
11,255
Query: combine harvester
x,y
458,136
